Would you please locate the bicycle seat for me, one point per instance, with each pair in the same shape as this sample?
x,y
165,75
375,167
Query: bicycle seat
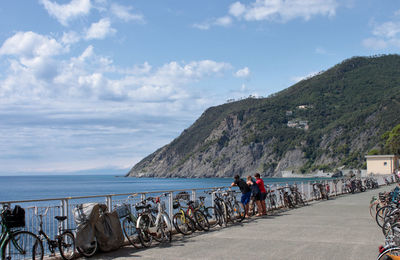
x,y
60,218
202,197
140,207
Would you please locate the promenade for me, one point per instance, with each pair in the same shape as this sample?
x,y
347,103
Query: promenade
x,y
340,228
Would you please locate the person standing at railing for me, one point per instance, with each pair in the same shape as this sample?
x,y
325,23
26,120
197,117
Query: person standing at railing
x,y
263,196
255,194
246,193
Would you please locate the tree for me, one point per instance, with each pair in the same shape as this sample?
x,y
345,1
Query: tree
x,y
392,138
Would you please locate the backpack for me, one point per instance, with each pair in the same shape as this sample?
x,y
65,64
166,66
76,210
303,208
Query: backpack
x,y
14,218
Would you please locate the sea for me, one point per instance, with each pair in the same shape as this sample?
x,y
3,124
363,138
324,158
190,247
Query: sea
x,y
18,188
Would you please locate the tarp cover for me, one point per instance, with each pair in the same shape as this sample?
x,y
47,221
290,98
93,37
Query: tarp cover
x,y
109,232
86,216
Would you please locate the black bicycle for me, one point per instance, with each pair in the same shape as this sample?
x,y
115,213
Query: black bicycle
x,y
64,240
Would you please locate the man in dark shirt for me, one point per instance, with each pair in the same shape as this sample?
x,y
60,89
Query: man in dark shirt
x,y
246,193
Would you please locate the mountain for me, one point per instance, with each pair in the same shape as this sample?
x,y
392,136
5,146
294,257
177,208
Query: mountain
x,y
324,122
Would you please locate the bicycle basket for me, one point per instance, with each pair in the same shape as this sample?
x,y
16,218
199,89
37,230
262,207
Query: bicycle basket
x,y
176,204
122,210
15,218
183,196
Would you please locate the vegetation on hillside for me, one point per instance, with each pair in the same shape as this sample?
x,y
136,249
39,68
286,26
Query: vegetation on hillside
x,y
335,118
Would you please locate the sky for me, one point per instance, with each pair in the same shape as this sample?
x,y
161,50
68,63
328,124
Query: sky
x,y
94,86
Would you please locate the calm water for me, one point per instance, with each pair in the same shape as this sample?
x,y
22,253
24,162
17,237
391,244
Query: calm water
x,y
58,186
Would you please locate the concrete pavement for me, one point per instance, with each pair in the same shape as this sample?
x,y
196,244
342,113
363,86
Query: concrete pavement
x,y
340,228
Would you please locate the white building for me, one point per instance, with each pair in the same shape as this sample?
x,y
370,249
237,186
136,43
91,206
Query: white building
x,y
382,164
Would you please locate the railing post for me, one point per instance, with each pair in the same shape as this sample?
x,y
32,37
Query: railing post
x,y
109,202
170,207
64,212
212,199
193,195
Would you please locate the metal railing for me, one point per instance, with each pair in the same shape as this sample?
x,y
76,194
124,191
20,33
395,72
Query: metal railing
x,y
65,206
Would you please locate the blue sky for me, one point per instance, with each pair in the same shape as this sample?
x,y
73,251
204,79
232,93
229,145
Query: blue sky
x,y
93,86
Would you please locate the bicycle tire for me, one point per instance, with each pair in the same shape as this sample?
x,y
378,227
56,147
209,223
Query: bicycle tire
x,y
144,235
230,213
166,233
130,232
29,246
201,220
182,223
66,245
239,212
214,216
224,213
88,250
392,251
381,215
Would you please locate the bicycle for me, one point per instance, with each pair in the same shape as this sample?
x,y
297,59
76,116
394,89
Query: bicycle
x,y
151,227
186,222
17,244
271,198
297,196
237,208
182,222
129,223
212,213
64,240
198,216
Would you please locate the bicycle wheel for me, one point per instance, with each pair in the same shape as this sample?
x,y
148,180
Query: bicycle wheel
x,y
238,212
66,245
166,233
388,253
230,213
144,233
182,223
225,214
23,245
130,232
381,215
201,220
214,216
89,249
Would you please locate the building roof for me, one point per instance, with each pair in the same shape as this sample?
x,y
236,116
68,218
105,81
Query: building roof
x,y
381,156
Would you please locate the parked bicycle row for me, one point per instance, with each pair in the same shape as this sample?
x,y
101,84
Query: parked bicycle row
x,y
385,209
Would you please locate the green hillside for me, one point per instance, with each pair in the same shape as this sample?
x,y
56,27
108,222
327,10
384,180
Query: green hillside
x,y
332,119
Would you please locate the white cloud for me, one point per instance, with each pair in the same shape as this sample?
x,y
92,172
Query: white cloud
x,y
387,30
375,43
123,12
385,35
237,9
30,44
224,21
242,73
70,38
66,12
273,10
100,30
285,10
